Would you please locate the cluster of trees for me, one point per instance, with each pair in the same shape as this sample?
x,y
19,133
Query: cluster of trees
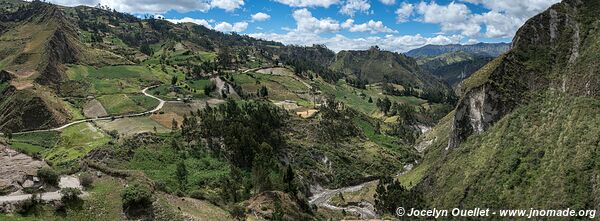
x,y
390,194
303,66
336,121
360,83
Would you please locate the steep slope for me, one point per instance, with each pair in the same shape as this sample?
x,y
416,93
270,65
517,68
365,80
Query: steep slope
x,y
525,131
482,49
453,67
376,65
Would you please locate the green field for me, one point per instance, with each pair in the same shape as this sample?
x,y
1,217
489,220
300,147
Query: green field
x,y
130,126
280,88
35,143
116,79
122,103
159,163
75,142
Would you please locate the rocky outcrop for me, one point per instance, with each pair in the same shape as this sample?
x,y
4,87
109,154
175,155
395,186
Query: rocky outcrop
x,y
550,52
17,171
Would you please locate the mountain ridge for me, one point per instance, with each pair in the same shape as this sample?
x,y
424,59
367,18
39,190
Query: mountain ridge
x,y
482,49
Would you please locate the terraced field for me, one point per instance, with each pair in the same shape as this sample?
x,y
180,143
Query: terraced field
x,y
130,126
76,141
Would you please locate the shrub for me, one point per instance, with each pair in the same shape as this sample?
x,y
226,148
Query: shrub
x,y
48,175
136,195
31,205
86,180
70,195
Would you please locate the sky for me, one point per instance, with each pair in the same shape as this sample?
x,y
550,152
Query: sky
x,y
395,25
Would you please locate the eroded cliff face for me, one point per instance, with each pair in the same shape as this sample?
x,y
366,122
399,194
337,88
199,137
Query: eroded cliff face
x,y
479,109
552,51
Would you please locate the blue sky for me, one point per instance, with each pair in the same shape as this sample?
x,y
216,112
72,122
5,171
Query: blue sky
x,y
396,25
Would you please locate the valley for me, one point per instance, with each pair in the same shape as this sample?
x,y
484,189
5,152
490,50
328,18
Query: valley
x,y
106,115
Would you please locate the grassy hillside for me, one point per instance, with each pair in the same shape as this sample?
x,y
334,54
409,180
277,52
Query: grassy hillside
x,y
453,67
509,166
376,66
523,134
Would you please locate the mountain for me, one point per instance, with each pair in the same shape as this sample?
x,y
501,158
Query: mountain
x,y
453,67
375,65
524,133
482,49
197,124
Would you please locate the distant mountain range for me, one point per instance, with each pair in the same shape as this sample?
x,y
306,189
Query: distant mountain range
x,y
481,49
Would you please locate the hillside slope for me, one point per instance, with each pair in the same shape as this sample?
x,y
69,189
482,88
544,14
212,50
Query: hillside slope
x,y
453,67
376,65
527,118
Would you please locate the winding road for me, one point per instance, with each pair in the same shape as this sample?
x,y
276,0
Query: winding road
x,y
144,91
365,210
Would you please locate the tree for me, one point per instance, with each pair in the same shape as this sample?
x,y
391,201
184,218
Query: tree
x,y
174,80
288,179
278,212
48,175
390,194
182,174
136,196
261,168
145,48
238,212
70,195
174,125
264,92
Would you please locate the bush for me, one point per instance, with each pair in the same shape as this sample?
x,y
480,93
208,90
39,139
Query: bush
x,y
48,175
136,196
70,195
31,205
86,180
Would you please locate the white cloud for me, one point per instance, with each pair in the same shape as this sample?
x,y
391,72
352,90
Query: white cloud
x,y
227,27
371,26
350,7
452,17
388,2
227,5
340,42
502,21
516,8
203,22
309,3
157,6
305,22
404,12
472,41
260,17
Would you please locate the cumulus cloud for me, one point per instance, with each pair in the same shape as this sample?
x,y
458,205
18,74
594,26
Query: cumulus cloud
x,y
501,21
371,26
260,17
350,7
388,2
309,3
227,5
397,43
203,22
305,22
454,17
404,12
157,6
235,27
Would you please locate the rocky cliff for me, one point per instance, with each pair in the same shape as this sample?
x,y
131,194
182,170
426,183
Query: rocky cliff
x,y
552,51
